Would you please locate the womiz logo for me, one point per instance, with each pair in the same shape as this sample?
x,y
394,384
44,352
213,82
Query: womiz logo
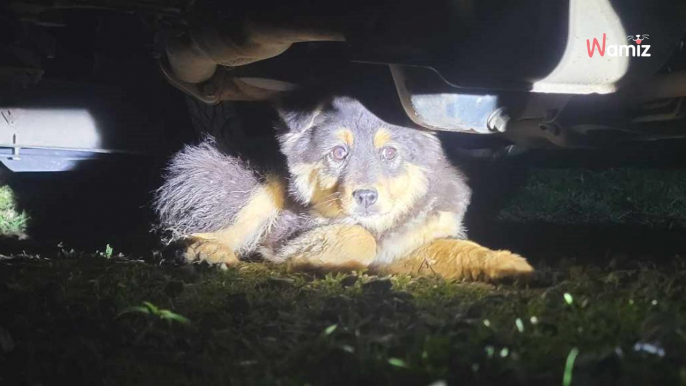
x,y
639,49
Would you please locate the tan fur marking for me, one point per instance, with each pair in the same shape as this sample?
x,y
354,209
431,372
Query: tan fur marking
x,y
303,175
210,251
396,197
346,136
325,203
317,190
251,221
334,246
276,188
381,138
419,232
459,259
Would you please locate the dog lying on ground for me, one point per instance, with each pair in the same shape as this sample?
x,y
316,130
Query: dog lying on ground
x,y
360,194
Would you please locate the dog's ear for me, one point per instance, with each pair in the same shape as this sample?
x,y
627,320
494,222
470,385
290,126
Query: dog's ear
x,y
296,121
300,111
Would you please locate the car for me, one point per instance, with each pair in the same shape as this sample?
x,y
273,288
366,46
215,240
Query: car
x,y
84,80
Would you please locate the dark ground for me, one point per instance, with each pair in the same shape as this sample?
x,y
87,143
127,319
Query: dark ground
x,y
610,287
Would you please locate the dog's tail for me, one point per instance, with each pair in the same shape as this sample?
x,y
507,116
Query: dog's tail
x,y
207,191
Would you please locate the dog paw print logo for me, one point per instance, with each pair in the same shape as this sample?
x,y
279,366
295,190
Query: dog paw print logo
x,y
638,38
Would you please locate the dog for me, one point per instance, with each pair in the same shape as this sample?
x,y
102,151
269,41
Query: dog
x,y
359,193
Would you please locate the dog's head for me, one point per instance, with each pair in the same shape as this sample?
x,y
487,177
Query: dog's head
x,y
346,163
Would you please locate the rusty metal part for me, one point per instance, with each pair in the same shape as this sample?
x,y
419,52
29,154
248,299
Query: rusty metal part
x,y
189,63
222,86
192,89
195,57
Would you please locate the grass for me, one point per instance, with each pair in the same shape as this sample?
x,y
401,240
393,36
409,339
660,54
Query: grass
x,y
577,196
113,321
12,221
105,319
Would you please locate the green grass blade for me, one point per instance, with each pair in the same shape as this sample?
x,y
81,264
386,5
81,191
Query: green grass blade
x,y
569,367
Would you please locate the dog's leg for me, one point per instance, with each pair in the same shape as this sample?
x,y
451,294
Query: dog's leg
x,y
249,226
458,259
332,248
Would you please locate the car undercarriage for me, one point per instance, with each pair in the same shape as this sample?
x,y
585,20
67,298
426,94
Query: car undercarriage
x,y
525,75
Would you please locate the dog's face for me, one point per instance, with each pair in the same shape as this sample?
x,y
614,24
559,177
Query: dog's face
x,y
346,163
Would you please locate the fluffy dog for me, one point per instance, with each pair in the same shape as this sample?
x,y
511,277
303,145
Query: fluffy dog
x,y
359,193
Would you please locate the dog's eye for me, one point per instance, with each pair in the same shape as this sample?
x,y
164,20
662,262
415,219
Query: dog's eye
x,y
389,153
339,153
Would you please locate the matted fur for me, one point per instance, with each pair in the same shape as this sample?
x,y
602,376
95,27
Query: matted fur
x,y
203,191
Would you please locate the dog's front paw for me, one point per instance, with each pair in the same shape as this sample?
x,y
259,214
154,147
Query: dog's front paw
x,y
460,259
209,251
505,264
463,259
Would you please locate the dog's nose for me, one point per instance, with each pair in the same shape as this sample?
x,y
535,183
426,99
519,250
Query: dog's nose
x,y
365,197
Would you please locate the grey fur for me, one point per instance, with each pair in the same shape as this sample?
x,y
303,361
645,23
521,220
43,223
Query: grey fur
x,y
447,188
204,188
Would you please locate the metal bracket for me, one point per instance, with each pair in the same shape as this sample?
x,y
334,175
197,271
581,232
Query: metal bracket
x,y
8,116
15,150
